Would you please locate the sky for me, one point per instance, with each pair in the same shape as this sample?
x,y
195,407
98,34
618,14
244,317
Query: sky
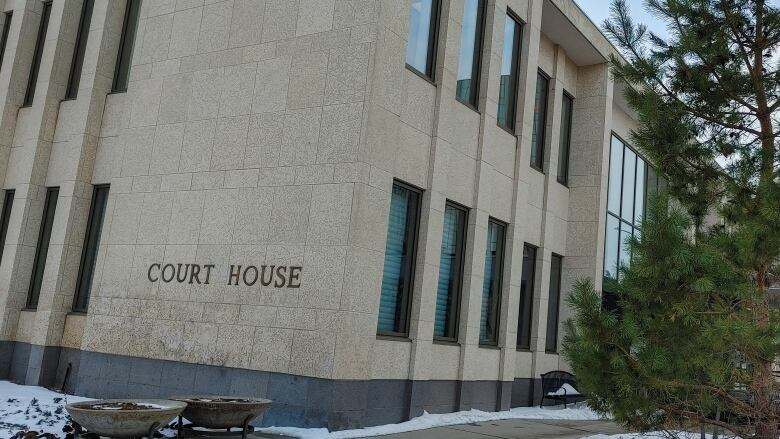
x,y
598,10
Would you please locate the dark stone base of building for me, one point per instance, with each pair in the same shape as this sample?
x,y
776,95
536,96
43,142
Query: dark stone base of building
x,y
297,400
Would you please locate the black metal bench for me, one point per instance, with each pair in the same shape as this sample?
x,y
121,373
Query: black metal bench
x,y
553,387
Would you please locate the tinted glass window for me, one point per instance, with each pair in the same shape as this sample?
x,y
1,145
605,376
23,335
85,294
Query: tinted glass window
x,y
420,44
540,121
554,304
125,55
42,249
470,49
510,54
6,28
37,54
78,51
526,298
399,260
97,213
450,272
8,202
565,139
491,287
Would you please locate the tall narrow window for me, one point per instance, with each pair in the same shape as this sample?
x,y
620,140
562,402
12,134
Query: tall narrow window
x,y
526,297
6,28
125,56
540,121
491,286
565,140
42,249
8,202
450,272
78,51
554,303
467,88
97,213
399,260
510,59
37,54
420,48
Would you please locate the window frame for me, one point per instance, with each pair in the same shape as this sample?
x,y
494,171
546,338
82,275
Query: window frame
x,y
79,50
89,252
564,179
514,75
9,15
559,278
124,55
497,285
42,247
457,289
5,218
542,135
530,288
476,67
32,79
412,235
433,44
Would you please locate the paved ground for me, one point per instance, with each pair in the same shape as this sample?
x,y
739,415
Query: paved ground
x,y
514,429
508,429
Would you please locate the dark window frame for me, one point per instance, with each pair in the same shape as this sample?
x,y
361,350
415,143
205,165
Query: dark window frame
x,y
517,46
563,178
42,247
433,45
497,286
124,56
558,275
412,235
5,218
476,66
541,137
9,15
79,49
453,318
90,248
32,79
528,303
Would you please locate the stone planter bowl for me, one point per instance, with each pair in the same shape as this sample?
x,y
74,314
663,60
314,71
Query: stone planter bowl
x,y
210,411
124,423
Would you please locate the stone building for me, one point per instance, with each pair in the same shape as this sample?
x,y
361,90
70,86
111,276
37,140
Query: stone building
x,y
360,209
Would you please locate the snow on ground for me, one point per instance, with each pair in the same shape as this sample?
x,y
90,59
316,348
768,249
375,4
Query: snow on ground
x,y
42,410
34,408
427,420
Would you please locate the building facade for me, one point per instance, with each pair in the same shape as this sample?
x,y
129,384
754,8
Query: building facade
x,y
360,209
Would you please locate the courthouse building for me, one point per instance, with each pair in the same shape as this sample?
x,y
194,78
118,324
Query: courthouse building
x,y
360,209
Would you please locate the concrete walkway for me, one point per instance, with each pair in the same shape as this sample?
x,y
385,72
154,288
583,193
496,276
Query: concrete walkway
x,y
507,429
514,429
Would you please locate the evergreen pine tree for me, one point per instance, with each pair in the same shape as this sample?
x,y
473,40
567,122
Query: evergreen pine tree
x,y
694,338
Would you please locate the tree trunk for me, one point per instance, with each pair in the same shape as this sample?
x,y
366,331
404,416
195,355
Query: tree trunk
x,y
763,380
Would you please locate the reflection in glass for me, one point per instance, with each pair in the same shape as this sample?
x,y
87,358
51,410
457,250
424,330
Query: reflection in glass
x,y
629,178
639,192
399,253
468,61
526,297
611,247
507,93
419,42
450,262
491,287
615,176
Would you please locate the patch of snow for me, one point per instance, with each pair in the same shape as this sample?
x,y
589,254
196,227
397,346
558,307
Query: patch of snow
x,y
427,420
566,389
32,408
